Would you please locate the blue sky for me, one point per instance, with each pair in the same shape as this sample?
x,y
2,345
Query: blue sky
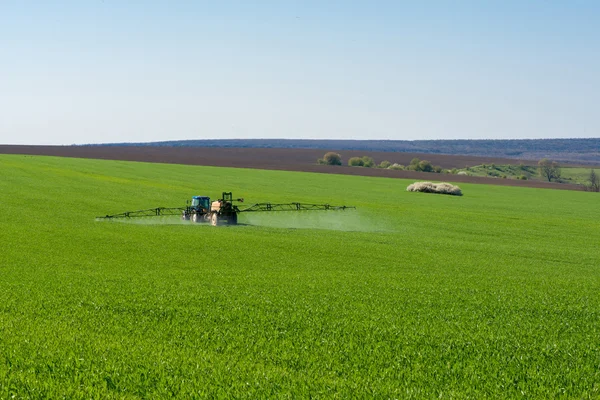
x,y
93,71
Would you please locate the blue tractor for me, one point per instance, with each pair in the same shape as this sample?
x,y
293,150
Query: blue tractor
x,y
220,211
198,210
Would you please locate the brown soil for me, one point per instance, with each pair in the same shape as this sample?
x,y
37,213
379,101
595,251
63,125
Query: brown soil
x,y
286,160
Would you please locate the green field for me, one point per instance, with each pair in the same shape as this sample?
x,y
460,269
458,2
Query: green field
x,y
494,294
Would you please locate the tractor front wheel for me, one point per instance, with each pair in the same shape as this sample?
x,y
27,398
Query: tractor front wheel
x,y
196,218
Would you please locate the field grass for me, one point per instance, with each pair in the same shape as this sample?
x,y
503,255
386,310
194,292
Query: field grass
x,y
578,175
490,295
574,175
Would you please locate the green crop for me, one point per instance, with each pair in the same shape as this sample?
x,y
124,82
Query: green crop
x,y
490,295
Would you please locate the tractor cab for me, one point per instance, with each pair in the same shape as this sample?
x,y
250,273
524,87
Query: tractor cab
x,y
202,210
201,203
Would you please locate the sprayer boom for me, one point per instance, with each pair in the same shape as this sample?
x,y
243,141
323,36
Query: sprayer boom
x,y
292,207
151,212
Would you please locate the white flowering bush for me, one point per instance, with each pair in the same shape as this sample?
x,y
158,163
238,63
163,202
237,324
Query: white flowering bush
x,y
429,187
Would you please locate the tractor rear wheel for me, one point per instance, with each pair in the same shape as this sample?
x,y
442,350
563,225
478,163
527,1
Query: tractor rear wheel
x,y
214,219
233,219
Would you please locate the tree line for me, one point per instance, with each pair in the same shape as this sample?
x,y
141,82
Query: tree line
x,y
333,158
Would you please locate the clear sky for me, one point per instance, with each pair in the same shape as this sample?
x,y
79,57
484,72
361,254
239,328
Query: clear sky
x,y
93,71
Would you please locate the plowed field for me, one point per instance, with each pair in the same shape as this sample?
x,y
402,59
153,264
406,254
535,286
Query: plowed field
x,y
283,159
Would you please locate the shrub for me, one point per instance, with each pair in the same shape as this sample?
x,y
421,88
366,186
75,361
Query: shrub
x,y
355,162
385,164
321,161
462,173
414,164
421,165
398,167
425,166
364,161
368,162
454,171
429,187
332,158
437,169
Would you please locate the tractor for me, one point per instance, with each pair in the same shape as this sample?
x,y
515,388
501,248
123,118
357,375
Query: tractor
x,y
218,212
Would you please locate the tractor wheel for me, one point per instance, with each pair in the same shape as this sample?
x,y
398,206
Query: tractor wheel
x,y
185,217
196,218
233,219
214,219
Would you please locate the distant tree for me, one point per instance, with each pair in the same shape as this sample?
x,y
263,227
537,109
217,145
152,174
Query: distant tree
x,y
437,169
385,164
368,162
593,182
414,164
355,162
549,169
425,166
332,158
